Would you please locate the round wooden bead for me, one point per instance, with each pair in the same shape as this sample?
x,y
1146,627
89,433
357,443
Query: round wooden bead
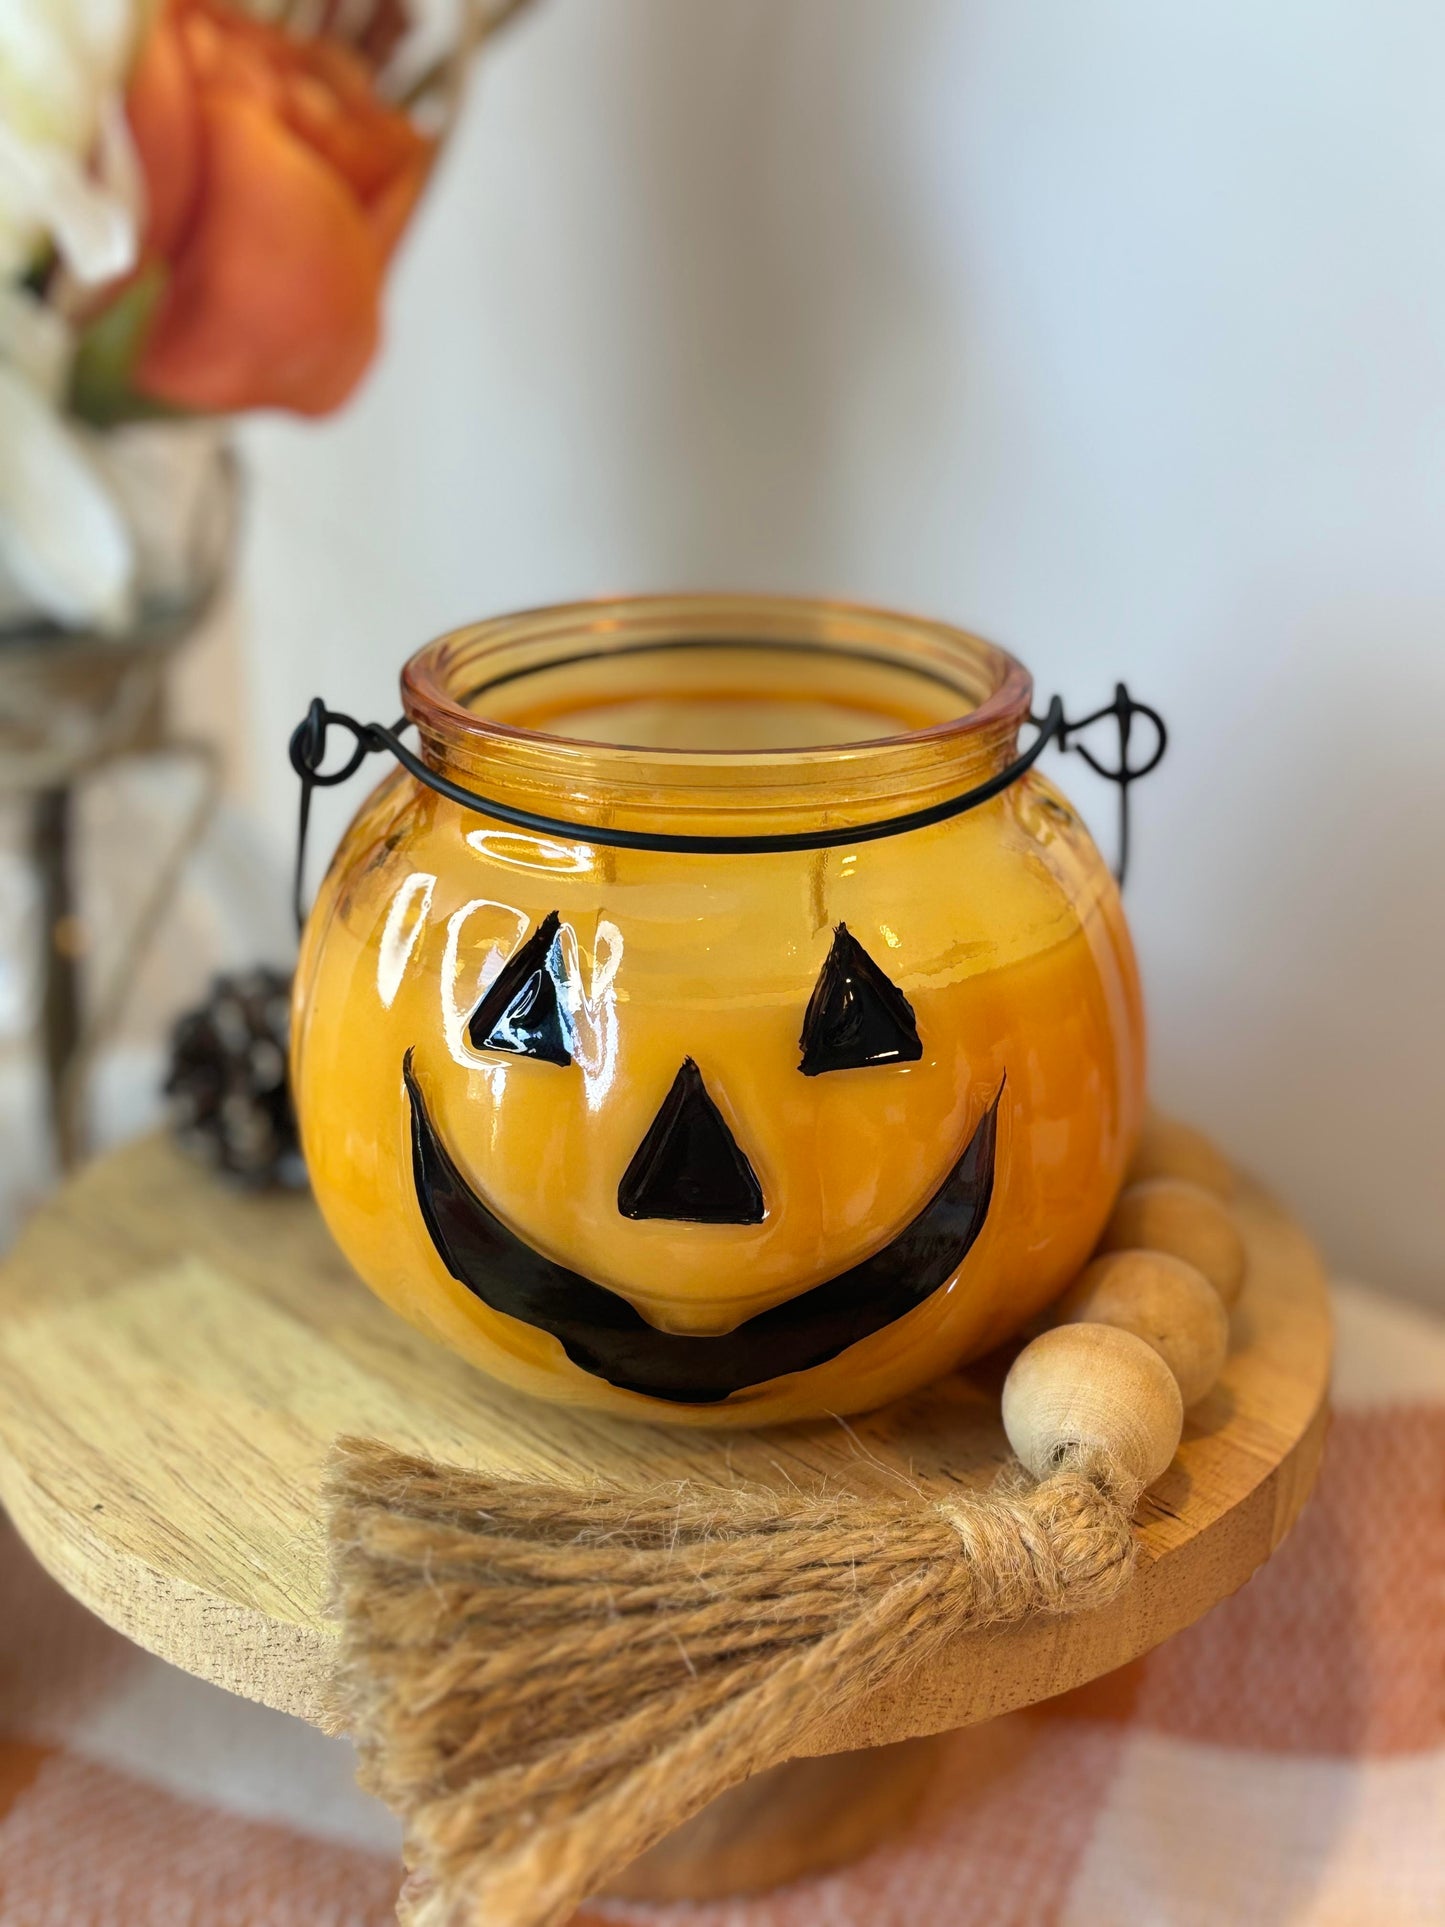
x,y
1170,1214
1169,1149
1097,1387
1164,1301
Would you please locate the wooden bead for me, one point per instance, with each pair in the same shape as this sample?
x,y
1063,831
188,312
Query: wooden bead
x,y
1164,1301
1092,1386
1169,1149
1170,1214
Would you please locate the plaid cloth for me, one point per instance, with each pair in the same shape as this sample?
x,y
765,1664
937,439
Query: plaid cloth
x,y
1283,1761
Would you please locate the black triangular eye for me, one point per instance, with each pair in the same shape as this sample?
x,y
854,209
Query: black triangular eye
x,y
522,1012
689,1166
855,1016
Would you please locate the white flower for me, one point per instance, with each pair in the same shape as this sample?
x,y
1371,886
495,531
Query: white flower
x,y
65,548
66,172
67,177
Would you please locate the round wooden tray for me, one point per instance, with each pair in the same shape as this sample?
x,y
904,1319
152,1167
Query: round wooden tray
x,y
175,1361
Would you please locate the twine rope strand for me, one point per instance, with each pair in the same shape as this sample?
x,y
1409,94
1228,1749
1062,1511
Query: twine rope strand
x,y
544,1683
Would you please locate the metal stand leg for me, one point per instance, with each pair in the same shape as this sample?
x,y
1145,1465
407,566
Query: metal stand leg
x,y
50,848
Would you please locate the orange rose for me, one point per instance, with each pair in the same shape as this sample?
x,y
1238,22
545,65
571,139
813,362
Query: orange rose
x,y
278,185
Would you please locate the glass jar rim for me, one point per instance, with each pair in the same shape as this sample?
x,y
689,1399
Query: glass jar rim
x,y
702,800
622,625
723,792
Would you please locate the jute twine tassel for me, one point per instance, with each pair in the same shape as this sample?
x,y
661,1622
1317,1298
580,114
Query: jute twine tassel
x,y
544,1682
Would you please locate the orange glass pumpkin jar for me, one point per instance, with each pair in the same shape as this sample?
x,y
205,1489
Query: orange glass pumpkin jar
x,y
786,1112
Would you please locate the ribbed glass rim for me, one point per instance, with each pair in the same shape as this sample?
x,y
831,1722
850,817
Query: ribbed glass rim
x,y
709,801
442,681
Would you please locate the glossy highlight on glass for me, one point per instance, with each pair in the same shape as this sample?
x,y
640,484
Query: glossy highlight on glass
x,y
550,1088
522,1012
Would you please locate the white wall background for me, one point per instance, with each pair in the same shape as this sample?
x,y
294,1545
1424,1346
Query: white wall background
x,y
1111,328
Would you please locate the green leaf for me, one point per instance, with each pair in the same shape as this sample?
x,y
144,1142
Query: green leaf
x,y
101,391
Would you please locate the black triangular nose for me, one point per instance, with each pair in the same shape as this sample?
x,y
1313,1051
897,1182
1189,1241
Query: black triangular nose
x,y
690,1166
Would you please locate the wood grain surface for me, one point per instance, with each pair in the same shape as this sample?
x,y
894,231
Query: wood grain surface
x,y
175,1361
789,1822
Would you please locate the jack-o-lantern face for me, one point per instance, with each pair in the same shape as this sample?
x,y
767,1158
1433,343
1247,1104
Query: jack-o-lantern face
x,y
722,1138
609,1170
690,1168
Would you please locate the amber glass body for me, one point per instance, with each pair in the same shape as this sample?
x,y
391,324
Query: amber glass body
x,y
1002,928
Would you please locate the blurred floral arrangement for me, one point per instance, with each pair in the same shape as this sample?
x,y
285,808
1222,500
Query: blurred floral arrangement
x,y
199,200
199,204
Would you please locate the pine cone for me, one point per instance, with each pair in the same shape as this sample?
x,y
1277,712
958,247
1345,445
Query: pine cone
x,y
230,1102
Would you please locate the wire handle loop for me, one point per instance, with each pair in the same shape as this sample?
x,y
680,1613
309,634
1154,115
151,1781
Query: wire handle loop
x,y
1123,709
309,746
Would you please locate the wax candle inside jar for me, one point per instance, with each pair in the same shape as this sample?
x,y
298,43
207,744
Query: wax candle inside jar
x,y
993,944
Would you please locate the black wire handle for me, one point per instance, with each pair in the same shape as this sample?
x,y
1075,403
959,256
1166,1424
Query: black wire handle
x,y
309,745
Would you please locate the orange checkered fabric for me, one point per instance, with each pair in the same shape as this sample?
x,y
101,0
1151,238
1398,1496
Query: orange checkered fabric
x,y
1281,1762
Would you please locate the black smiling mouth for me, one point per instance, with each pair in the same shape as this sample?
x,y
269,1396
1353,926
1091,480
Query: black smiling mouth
x,y
604,1335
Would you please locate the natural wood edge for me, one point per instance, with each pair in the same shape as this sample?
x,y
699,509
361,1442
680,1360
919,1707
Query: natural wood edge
x,y
790,1822
828,1807
1026,1658
263,1659
1170,1591
284,1659
283,1662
